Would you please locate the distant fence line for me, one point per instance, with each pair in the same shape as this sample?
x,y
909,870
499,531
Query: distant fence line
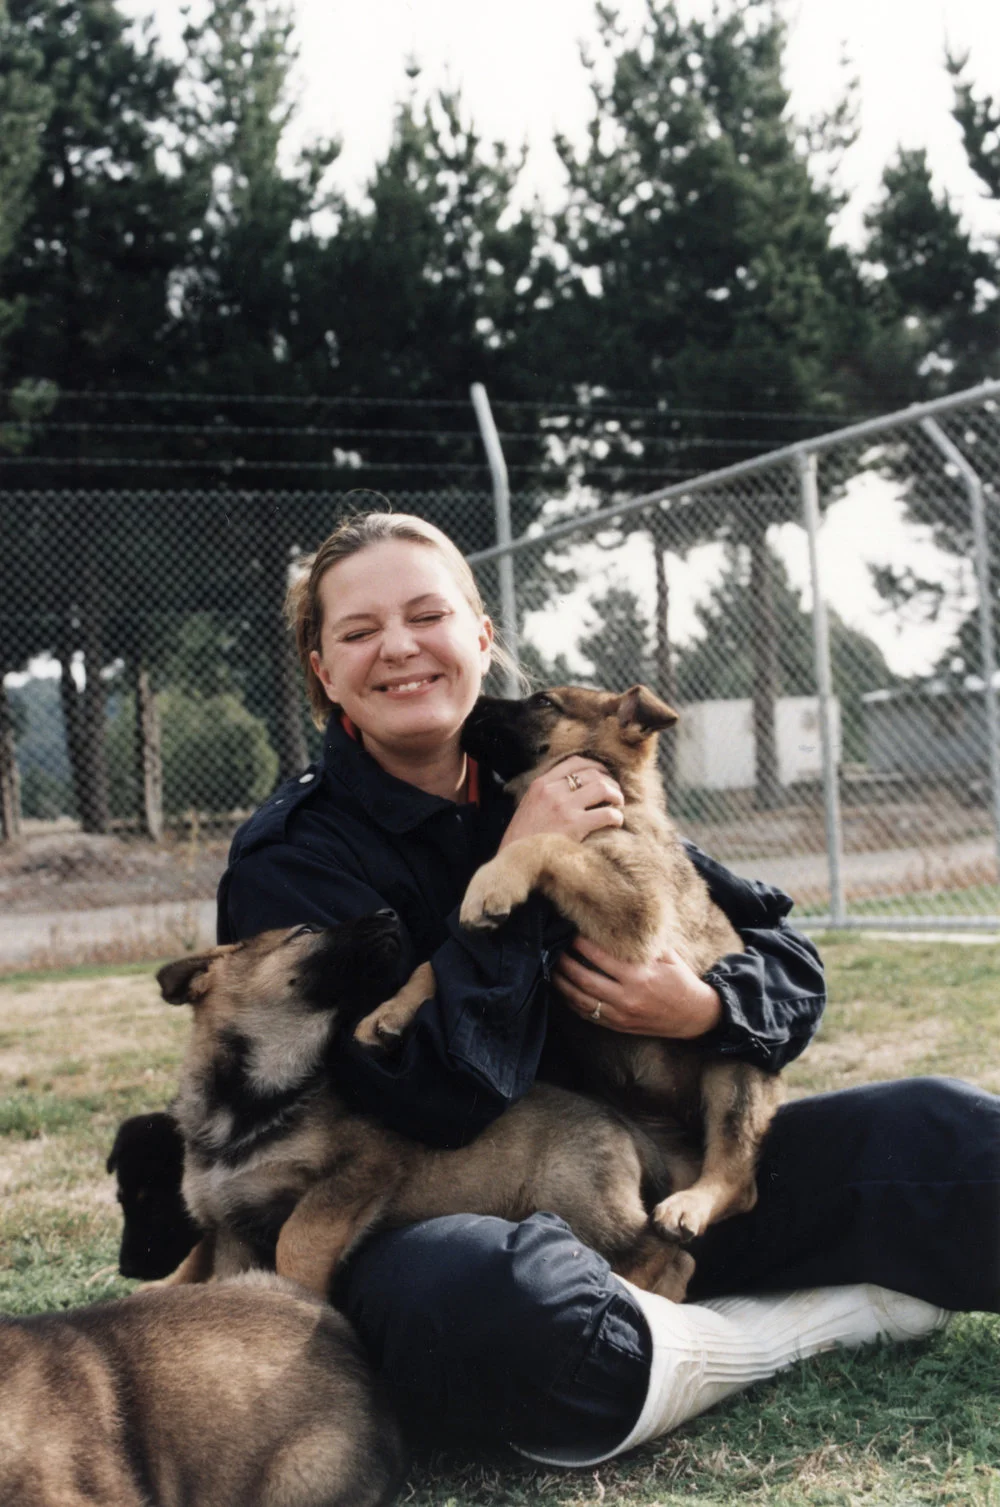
x,y
171,686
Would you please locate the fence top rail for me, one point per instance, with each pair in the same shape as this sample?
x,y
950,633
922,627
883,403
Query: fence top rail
x,y
796,452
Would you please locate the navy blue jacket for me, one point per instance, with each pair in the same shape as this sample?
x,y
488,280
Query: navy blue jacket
x,y
345,839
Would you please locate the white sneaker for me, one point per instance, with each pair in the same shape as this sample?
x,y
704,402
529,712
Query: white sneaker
x,y
704,1352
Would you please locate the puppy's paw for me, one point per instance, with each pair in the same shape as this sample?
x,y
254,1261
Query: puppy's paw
x,y
378,1032
684,1216
493,892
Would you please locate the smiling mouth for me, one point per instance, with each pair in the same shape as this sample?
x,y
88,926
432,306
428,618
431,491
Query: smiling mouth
x,y
408,687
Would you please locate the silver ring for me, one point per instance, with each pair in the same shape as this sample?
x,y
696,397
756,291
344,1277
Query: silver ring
x,y
595,1013
573,781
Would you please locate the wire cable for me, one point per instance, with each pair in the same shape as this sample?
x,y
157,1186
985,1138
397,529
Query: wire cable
x,y
597,406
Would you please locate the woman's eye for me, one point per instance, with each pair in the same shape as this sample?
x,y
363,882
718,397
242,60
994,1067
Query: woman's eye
x,y
429,617
353,638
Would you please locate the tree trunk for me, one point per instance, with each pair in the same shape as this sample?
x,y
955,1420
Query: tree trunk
x,y
83,718
95,810
10,782
764,651
69,700
666,675
149,756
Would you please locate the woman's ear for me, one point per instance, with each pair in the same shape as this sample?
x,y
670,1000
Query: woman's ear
x,y
486,637
322,674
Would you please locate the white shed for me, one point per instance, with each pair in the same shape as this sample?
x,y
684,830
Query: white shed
x,y
716,747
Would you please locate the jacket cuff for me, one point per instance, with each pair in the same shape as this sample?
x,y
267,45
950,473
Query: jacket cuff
x,y
765,1044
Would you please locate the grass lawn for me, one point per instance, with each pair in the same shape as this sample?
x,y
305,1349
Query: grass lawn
x,y
972,900
895,1425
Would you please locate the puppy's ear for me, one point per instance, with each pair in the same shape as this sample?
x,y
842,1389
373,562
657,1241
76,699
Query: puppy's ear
x,y
183,982
641,713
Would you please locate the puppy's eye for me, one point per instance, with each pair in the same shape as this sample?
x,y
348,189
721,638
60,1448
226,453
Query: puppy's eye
x,y
543,700
301,931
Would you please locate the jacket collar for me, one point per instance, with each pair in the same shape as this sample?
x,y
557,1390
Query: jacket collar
x,y
395,806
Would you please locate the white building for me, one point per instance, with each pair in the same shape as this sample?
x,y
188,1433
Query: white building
x,y
716,748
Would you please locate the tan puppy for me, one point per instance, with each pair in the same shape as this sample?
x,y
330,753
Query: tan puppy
x,y
632,890
245,1394
280,1172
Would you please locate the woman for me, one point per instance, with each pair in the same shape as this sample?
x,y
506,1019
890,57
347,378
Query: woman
x,y
516,1331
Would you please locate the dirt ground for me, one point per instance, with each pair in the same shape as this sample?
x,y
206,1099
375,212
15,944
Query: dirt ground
x,y
65,870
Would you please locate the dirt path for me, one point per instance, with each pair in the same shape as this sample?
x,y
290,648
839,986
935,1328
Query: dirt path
x,y
109,933
47,921
884,872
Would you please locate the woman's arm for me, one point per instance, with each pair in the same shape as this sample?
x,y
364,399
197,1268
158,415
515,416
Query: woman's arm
x,y
761,1005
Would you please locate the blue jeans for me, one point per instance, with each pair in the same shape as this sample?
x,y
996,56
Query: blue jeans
x,y
517,1333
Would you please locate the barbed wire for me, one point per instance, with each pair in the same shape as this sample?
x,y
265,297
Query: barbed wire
x,y
597,406
552,472
272,431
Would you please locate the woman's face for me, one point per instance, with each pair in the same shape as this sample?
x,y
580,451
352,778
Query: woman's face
x,y
401,650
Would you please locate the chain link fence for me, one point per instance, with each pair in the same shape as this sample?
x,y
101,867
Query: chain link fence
x,y
822,620
839,742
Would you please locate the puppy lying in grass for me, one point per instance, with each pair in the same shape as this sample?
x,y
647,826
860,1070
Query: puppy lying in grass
x,y
245,1394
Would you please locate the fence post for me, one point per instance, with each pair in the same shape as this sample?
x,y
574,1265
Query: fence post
x,y
501,504
809,490
974,490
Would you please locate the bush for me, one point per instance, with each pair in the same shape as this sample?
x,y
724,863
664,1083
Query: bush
x,y
216,755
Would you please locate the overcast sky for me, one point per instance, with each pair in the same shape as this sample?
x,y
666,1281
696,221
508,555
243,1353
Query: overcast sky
x,y
518,66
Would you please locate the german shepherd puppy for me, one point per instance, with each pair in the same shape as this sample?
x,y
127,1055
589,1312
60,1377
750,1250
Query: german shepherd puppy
x,y
246,1394
632,890
147,1159
279,1172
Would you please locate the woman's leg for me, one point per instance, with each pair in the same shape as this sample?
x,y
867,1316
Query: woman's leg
x,y
894,1183
512,1333
518,1334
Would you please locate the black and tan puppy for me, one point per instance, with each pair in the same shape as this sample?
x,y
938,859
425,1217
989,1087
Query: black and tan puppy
x,y
243,1394
632,890
147,1160
279,1172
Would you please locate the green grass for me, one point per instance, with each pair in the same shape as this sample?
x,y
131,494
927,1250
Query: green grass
x,y
29,978
892,1426
973,900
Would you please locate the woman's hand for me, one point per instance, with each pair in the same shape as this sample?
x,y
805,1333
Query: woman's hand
x,y
573,799
662,998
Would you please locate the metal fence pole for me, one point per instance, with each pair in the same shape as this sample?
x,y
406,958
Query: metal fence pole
x,y
809,489
501,503
974,489
681,494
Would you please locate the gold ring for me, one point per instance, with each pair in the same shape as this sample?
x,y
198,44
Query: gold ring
x,y
595,1013
573,781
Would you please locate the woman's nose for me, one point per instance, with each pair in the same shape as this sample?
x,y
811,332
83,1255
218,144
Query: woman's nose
x,y
398,641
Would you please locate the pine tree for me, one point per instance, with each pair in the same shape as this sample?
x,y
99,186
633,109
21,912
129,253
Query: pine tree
x,y
429,286
939,304
24,102
932,277
249,325
102,224
701,275
719,662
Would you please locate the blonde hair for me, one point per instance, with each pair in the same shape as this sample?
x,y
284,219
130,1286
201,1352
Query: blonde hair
x,y
304,607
